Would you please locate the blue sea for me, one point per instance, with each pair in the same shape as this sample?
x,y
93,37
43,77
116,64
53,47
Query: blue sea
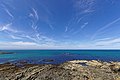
x,y
59,56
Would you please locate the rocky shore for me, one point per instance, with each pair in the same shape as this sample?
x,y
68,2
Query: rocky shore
x,y
71,70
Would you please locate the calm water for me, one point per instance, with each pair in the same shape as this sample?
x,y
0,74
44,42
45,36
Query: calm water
x,y
59,56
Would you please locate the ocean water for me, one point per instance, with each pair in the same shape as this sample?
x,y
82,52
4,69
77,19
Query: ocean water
x,y
59,56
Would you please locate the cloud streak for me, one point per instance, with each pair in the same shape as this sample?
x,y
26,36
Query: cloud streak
x,y
9,13
35,13
15,37
84,6
84,25
18,45
66,28
51,26
105,27
7,27
108,42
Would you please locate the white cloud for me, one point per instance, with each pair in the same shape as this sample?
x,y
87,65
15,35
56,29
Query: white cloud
x,y
35,13
105,27
84,25
39,39
34,18
59,45
7,27
4,7
109,42
51,26
103,39
31,15
26,45
108,25
18,45
23,43
9,13
34,39
84,6
15,37
79,19
66,28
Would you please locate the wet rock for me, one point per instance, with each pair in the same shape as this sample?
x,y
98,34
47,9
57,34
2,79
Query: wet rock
x,y
23,62
48,60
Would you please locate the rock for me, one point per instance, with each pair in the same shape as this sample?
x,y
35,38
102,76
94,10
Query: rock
x,y
79,61
85,62
1,52
118,78
94,63
48,60
115,68
70,70
23,62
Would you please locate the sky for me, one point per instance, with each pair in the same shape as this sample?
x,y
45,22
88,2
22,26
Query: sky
x,y
59,24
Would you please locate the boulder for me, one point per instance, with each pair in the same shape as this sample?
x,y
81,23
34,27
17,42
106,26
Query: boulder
x,y
115,68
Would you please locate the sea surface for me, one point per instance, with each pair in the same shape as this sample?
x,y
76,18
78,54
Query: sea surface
x,y
59,56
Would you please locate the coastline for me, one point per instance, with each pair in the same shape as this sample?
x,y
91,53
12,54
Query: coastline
x,y
70,70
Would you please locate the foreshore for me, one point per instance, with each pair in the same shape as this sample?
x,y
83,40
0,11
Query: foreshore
x,y
71,70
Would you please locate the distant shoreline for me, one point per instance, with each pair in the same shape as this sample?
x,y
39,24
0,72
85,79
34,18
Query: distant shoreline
x,y
4,52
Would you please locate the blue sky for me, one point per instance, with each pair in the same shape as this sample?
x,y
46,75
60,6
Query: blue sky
x,y
59,24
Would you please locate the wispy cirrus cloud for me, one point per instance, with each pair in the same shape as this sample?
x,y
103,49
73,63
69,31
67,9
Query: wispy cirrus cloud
x,y
15,37
108,42
84,6
29,45
39,39
84,25
36,37
7,8
9,13
7,27
51,26
34,18
82,9
81,27
66,28
105,27
18,45
35,14
103,39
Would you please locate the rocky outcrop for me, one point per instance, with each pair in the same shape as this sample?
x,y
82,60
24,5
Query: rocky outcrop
x,y
71,70
3,52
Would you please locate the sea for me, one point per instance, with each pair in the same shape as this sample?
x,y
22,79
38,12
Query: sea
x,y
58,56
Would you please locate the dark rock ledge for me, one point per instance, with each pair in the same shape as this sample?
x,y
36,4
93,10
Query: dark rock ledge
x,y
3,52
71,70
